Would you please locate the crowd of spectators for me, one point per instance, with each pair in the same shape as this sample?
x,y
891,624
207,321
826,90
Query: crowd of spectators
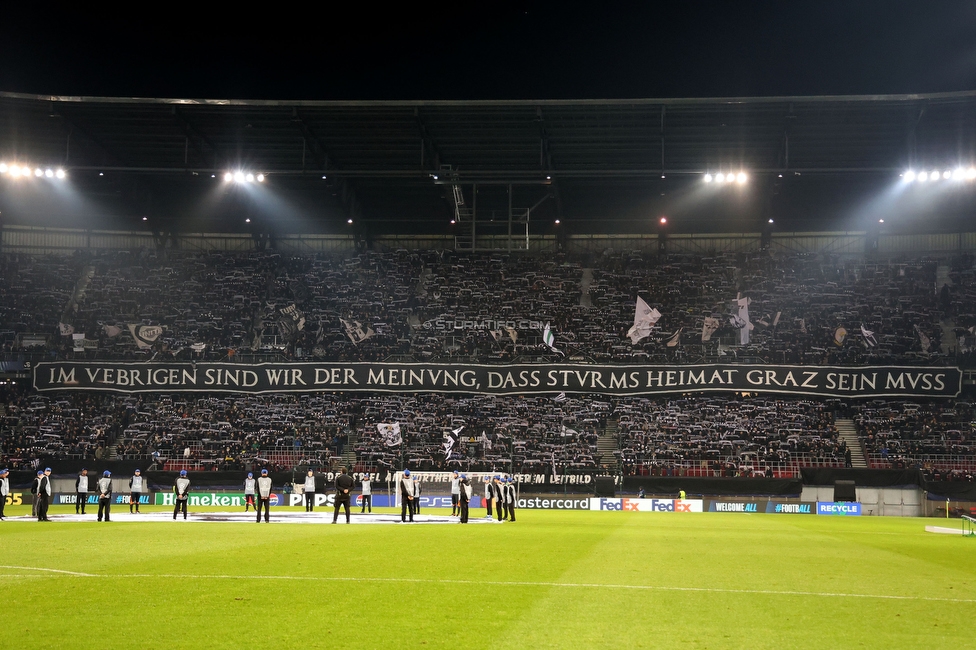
x,y
937,438
485,307
726,436
442,305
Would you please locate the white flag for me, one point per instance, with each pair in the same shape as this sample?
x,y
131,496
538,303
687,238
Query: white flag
x,y
198,347
451,442
675,339
65,329
645,317
868,336
354,330
391,434
549,338
740,319
924,340
561,397
708,328
145,335
839,335
111,331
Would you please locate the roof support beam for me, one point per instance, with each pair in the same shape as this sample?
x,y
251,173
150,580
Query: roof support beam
x,y
346,189
194,138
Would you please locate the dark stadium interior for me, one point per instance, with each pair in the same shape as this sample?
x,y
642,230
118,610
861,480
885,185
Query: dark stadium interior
x,y
345,200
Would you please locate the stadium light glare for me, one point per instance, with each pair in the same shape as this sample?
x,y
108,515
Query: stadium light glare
x,y
880,220
741,178
15,171
453,222
708,178
49,173
947,174
260,178
557,222
239,177
934,176
770,221
664,220
228,177
248,220
908,176
249,178
145,218
60,174
958,174
720,177
922,177
348,220
38,172
971,173
3,168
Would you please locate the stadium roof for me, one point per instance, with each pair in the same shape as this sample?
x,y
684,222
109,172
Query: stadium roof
x,y
601,160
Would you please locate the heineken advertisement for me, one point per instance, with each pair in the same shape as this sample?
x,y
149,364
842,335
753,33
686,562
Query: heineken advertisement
x,y
526,379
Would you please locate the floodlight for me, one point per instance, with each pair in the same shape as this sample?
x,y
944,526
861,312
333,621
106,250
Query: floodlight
x,y
248,220
3,168
720,177
934,176
145,218
971,173
348,220
557,222
228,177
260,178
908,176
947,174
14,171
880,220
664,220
453,222
249,178
548,178
958,174
239,177
770,221
49,173
708,178
741,178
60,174
922,177
38,172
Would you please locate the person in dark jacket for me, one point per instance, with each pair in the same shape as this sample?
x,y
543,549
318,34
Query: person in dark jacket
x,y
105,496
4,489
344,485
264,497
464,495
182,490
81,491
406,496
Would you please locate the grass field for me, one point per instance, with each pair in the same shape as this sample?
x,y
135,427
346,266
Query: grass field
x,y
555,579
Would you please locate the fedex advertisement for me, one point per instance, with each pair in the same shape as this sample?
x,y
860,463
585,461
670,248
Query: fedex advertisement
x,y
647,505
844,508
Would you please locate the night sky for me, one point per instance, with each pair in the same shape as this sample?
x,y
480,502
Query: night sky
x,y
506,50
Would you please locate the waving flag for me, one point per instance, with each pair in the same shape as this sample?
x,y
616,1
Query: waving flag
x,y
451,442
549,338
708,328
868,336
645,317
354,330
391,434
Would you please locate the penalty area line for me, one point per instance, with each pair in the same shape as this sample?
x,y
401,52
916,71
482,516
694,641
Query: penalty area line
x,y
46,570
519,583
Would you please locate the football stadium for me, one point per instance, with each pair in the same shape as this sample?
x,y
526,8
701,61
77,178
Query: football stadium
x,y
686,371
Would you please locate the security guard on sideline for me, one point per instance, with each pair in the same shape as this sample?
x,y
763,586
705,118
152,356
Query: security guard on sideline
x,y
264,496
367,494
136,483
4,489
406,496
249,484
309,490
182,490
510,497
43,492
344,485
455,493
105,496
81,491
464,495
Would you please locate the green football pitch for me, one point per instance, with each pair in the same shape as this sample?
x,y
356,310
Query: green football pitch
x,y
554,579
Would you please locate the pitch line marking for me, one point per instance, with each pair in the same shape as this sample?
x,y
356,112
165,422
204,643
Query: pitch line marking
x,y
37,568
505,583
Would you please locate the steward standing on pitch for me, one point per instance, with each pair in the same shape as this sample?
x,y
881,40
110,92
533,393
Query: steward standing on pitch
x,y
136,484
406,496
455,493
264,496
182,490
4,489
249,484
309,490
43,486
464,495
81,491
367,494
510,498
344,486
105,495
489,495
